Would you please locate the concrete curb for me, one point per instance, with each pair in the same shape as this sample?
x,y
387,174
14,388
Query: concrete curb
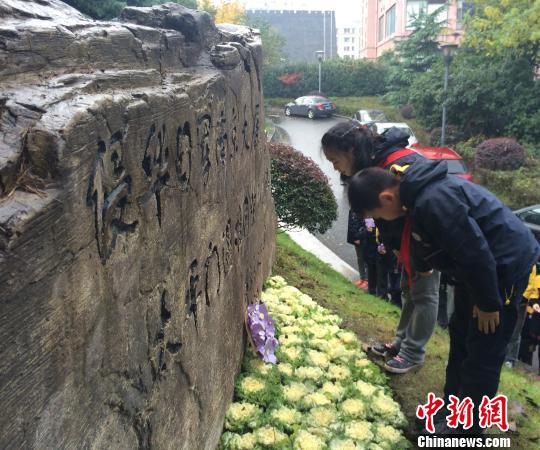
x,y
311,244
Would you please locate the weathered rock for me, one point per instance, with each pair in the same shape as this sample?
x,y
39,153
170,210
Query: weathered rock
x,y
136,222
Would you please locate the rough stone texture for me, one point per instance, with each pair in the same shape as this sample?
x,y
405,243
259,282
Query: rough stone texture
x,y
136,222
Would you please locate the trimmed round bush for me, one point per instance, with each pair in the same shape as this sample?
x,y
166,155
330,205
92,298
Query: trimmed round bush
x,y
452,137
301,190
500,154
407,112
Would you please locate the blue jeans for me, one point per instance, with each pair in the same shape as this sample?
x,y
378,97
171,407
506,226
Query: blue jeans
x,y
418,316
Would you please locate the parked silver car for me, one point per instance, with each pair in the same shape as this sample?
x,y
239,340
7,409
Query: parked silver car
x,y
366,116
531,218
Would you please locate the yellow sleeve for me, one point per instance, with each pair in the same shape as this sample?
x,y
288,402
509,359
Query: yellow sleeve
x,y
534,285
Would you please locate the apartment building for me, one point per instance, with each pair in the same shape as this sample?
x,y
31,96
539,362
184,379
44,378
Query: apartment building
x,y
385,22
348,39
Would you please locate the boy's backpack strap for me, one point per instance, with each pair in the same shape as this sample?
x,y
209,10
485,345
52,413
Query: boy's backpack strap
x,y
394,156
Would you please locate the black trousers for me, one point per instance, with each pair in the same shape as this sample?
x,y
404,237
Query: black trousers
x,y
475,359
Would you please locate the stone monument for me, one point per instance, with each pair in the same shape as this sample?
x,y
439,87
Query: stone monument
x,y
136,223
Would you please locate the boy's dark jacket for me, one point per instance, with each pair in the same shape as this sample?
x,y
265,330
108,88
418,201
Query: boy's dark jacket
x,y
460,228
391,141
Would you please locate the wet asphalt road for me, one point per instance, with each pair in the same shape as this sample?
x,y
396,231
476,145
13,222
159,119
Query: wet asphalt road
x,y
305,135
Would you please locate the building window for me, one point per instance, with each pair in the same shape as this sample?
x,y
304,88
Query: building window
x,y
346,39
352,49
380,31
352,40
464,8
345,49
415,7
391,21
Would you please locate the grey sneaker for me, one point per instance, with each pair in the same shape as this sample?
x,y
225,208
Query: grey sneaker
x,y
399,365
381,349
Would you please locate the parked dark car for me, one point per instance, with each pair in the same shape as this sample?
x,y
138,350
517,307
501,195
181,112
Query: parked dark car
x,y
311,106
531,218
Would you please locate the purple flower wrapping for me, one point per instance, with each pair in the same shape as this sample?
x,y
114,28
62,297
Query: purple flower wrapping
x,y
262,329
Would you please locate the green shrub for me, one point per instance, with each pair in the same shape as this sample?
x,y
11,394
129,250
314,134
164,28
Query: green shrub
x,y
516,188
453,135
301,191
407,111
499,154
339,78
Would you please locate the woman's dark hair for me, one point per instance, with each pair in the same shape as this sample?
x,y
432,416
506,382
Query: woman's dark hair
x,y
345,136
365,187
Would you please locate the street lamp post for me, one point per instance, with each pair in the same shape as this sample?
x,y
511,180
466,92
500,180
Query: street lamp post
x,y
320,56
448,51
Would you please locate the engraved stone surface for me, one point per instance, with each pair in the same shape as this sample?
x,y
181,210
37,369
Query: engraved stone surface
x,y
136,222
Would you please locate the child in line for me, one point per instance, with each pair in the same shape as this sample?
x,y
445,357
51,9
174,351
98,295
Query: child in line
x,y
356,236
460,228
530,337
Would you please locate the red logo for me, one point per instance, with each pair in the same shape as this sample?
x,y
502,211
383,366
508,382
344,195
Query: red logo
x,y
490,412
494,412
427,411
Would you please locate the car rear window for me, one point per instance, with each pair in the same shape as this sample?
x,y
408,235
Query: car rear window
x,y
531,216
377,116
456,166
320,100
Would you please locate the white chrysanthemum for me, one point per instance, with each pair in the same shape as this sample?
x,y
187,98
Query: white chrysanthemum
x,y
309,373
362,362
332,390
294,392
281,308
290,340
277,282
319,344
343,444
388,434
347,337
285,369
308,441
366,389
368,373
306,300
250,385
337,350
319,359
270,436
353,408
260,366
287,416
292,353
319,331
290,291
269,298
359,430
245,441
241,411
336,372
322,417
384,405
290,329
316,399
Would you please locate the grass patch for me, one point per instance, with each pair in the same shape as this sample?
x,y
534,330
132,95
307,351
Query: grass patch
x,y
372,318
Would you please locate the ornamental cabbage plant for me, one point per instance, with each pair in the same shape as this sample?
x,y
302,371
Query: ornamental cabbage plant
x,y
323,393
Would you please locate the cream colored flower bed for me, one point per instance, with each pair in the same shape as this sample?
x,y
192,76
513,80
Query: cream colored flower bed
x,y
323,394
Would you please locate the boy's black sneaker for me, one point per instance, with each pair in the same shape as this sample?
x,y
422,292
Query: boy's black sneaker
x,y
399,365
381,349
